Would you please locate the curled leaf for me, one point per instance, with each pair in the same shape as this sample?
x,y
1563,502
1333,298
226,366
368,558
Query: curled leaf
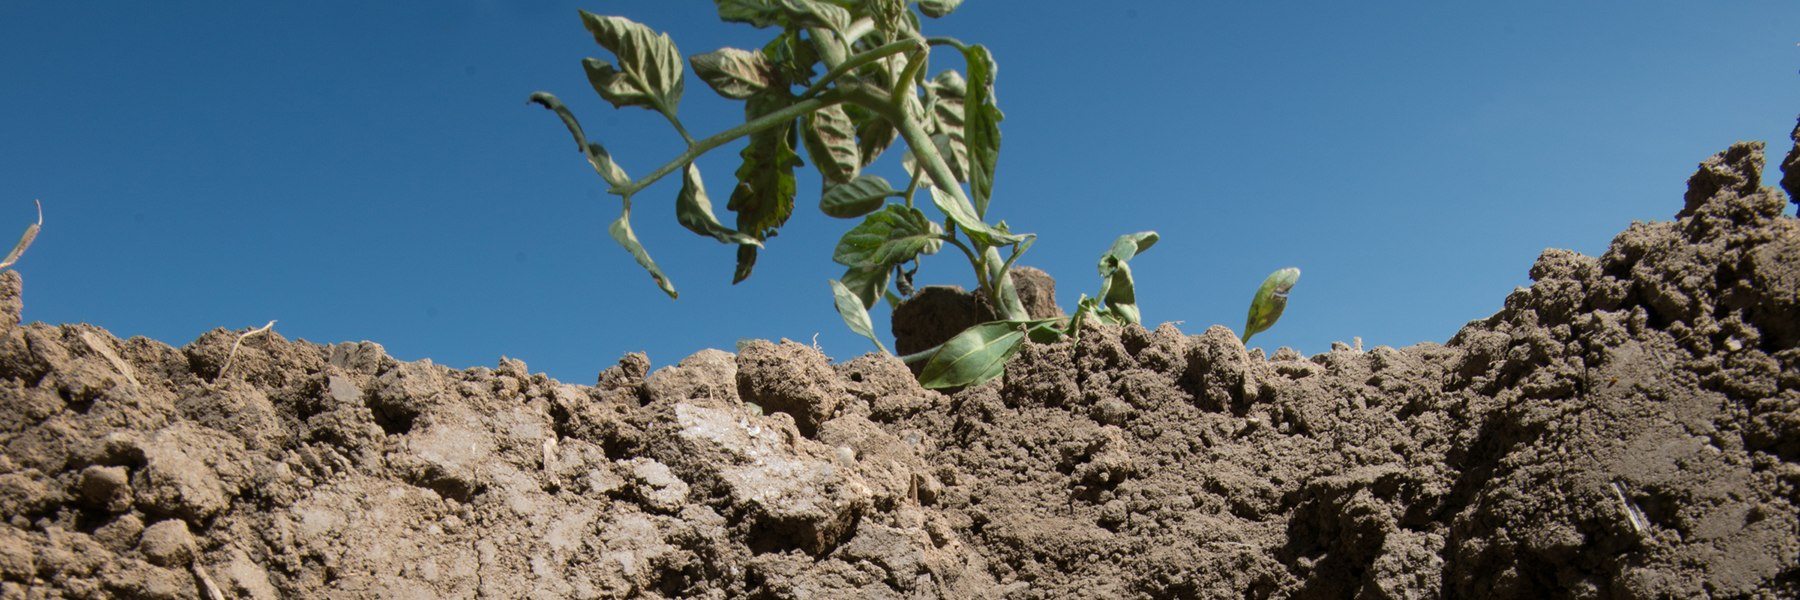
x,y
974,356
1116,304
596,155
862,196
764,197
694,211
649,71
1270,300
733,73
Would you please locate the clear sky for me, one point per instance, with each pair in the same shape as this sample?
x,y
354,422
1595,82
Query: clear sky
x,y
370,170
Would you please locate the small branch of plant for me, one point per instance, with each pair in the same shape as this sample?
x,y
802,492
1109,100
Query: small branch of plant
x,y
846,81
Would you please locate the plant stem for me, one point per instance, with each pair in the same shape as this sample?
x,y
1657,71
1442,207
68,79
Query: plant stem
x,y
858,61
695,149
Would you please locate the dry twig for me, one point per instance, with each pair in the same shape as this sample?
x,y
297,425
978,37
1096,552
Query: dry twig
x,y
240,342
25,241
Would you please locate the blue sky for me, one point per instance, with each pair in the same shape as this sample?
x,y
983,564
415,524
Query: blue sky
x,y
371,171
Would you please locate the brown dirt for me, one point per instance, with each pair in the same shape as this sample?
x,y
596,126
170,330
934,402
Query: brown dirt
x,y
1626,427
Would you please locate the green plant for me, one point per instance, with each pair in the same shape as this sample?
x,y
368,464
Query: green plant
x,y
873,92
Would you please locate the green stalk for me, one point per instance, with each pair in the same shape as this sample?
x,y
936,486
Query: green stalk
x,y
695,149
856,62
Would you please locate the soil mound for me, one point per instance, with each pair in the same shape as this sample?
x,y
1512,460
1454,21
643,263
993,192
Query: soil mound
x,y
1626,427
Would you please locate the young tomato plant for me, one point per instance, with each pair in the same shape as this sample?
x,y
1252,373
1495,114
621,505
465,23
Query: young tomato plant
x,y
846,80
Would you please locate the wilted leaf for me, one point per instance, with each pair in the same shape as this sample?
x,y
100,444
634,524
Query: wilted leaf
x,y
764,197
1270,300
854,313
694,211
888,237
649,72
596,155
973,356
798,13
831,140
621,233
1117,301
938,9
733,73
860,197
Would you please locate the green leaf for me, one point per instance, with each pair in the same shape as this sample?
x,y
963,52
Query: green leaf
x,y
733,73
649,72
947,124
764,197
981,126
888,237
621,233
958,210
695,212
1011,308
974,356
860,197
1270,300
869,283
831,140
746,262
596,155
938,9
855,315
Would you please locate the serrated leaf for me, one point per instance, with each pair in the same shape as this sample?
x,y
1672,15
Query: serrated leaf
x,y
854,313
764,197
831,141
621,233
694,211
981,126
869,283
733,73
862,196
649,71
596,155
1269,302
974,356
888,237
938,9
958,210
746,263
